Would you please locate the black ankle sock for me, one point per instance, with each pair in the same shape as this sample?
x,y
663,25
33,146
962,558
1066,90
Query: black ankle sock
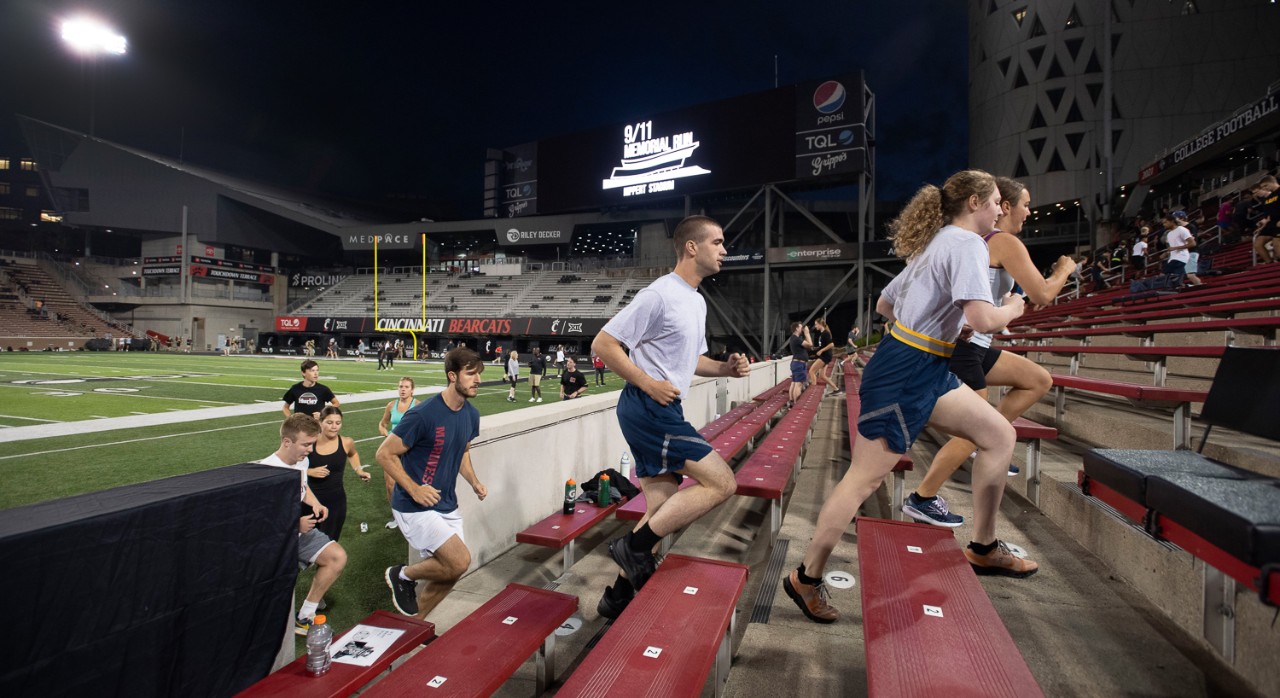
x,y
644,539
983,549
926,500
622,585
806,579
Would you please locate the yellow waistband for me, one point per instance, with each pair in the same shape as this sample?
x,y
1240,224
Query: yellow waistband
x,y
922,342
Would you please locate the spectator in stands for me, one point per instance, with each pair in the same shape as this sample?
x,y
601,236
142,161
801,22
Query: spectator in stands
x,y
425,454
978,364
909,381
572,383
1241,216
391,416
822,350
332,454
537,367
1226,212
1138,257
799,344
513,373
665,330
298,435
851,340
598,364
1269,218
1180,241
309,396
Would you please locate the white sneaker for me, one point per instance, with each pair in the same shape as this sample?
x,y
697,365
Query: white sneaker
x,y
531,399
539,399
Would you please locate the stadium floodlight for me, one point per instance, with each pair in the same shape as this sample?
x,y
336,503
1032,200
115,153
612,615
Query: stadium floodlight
x,y
88,36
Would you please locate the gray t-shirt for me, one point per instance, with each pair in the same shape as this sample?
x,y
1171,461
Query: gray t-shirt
x,y
928,296
665,328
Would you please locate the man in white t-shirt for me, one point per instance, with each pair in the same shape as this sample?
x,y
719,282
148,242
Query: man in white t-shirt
x,y
1180,241
298,436
665,328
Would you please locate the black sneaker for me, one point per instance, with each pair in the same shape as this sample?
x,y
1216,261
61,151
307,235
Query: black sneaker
x,y
637,566
404,595
613,603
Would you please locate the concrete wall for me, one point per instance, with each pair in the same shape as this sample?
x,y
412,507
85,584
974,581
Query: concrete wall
x,y
524,457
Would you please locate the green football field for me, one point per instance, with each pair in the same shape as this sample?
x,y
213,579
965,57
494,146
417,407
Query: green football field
x,y
78,388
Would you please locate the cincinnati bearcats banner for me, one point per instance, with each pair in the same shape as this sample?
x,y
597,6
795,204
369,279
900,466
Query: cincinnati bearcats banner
x,y
514,327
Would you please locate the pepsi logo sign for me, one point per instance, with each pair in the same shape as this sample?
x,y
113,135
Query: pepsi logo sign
x,y
829,97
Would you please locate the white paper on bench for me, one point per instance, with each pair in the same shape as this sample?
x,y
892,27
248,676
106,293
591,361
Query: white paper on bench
x,y
364,644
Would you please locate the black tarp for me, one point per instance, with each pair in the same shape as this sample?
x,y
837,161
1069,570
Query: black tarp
x,y
177,587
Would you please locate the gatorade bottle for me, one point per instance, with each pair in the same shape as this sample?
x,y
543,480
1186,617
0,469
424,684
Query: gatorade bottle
x,y
603,499
570,496
319,637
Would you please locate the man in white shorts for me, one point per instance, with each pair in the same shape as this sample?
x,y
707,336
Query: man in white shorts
x,y
425,454
298,436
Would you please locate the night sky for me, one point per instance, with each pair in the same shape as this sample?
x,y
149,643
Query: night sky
x,y
374,100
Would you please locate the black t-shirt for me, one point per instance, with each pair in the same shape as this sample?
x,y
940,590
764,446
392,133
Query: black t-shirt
x,y
572,382
824,338
798,352
308,400
1270,206
538,364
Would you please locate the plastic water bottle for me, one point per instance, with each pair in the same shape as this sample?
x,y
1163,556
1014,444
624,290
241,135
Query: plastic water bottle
x,y
364,526
570,496
602,499
624,466
319,637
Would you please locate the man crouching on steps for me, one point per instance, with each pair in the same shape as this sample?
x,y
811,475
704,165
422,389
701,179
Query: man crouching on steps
x,y
425,454
665,328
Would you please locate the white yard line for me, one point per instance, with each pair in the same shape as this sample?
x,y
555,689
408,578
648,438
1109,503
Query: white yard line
x,y
44,431
30,419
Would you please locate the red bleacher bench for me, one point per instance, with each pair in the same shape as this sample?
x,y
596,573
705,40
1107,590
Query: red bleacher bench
x,y
1159,356
781,388
1179,399
717,426
292,680
771,467
670,637
476,656
1262,326
1222,310
1034,434
561,530
917,587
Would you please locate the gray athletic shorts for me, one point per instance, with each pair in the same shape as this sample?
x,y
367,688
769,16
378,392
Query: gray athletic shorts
x,y
310,545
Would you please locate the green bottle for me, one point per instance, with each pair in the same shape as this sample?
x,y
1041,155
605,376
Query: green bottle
x,y
603,499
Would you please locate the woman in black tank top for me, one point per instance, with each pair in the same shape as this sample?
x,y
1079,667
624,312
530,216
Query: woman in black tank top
x,y
326,467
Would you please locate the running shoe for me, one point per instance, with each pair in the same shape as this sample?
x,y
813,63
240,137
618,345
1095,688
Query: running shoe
x,y
934,512
613,603
1000,561
812,600
301,626
404,594
1013,470
638,566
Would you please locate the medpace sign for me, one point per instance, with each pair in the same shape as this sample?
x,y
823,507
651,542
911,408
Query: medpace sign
x,y
813,130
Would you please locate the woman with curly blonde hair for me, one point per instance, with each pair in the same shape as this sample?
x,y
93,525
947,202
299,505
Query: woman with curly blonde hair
x,y
908,382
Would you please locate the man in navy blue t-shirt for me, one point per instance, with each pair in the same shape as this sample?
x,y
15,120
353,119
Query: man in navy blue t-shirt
x,y
425,454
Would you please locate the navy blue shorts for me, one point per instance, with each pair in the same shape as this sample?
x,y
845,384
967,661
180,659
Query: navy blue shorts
x,y
659,437
900,386
799,372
